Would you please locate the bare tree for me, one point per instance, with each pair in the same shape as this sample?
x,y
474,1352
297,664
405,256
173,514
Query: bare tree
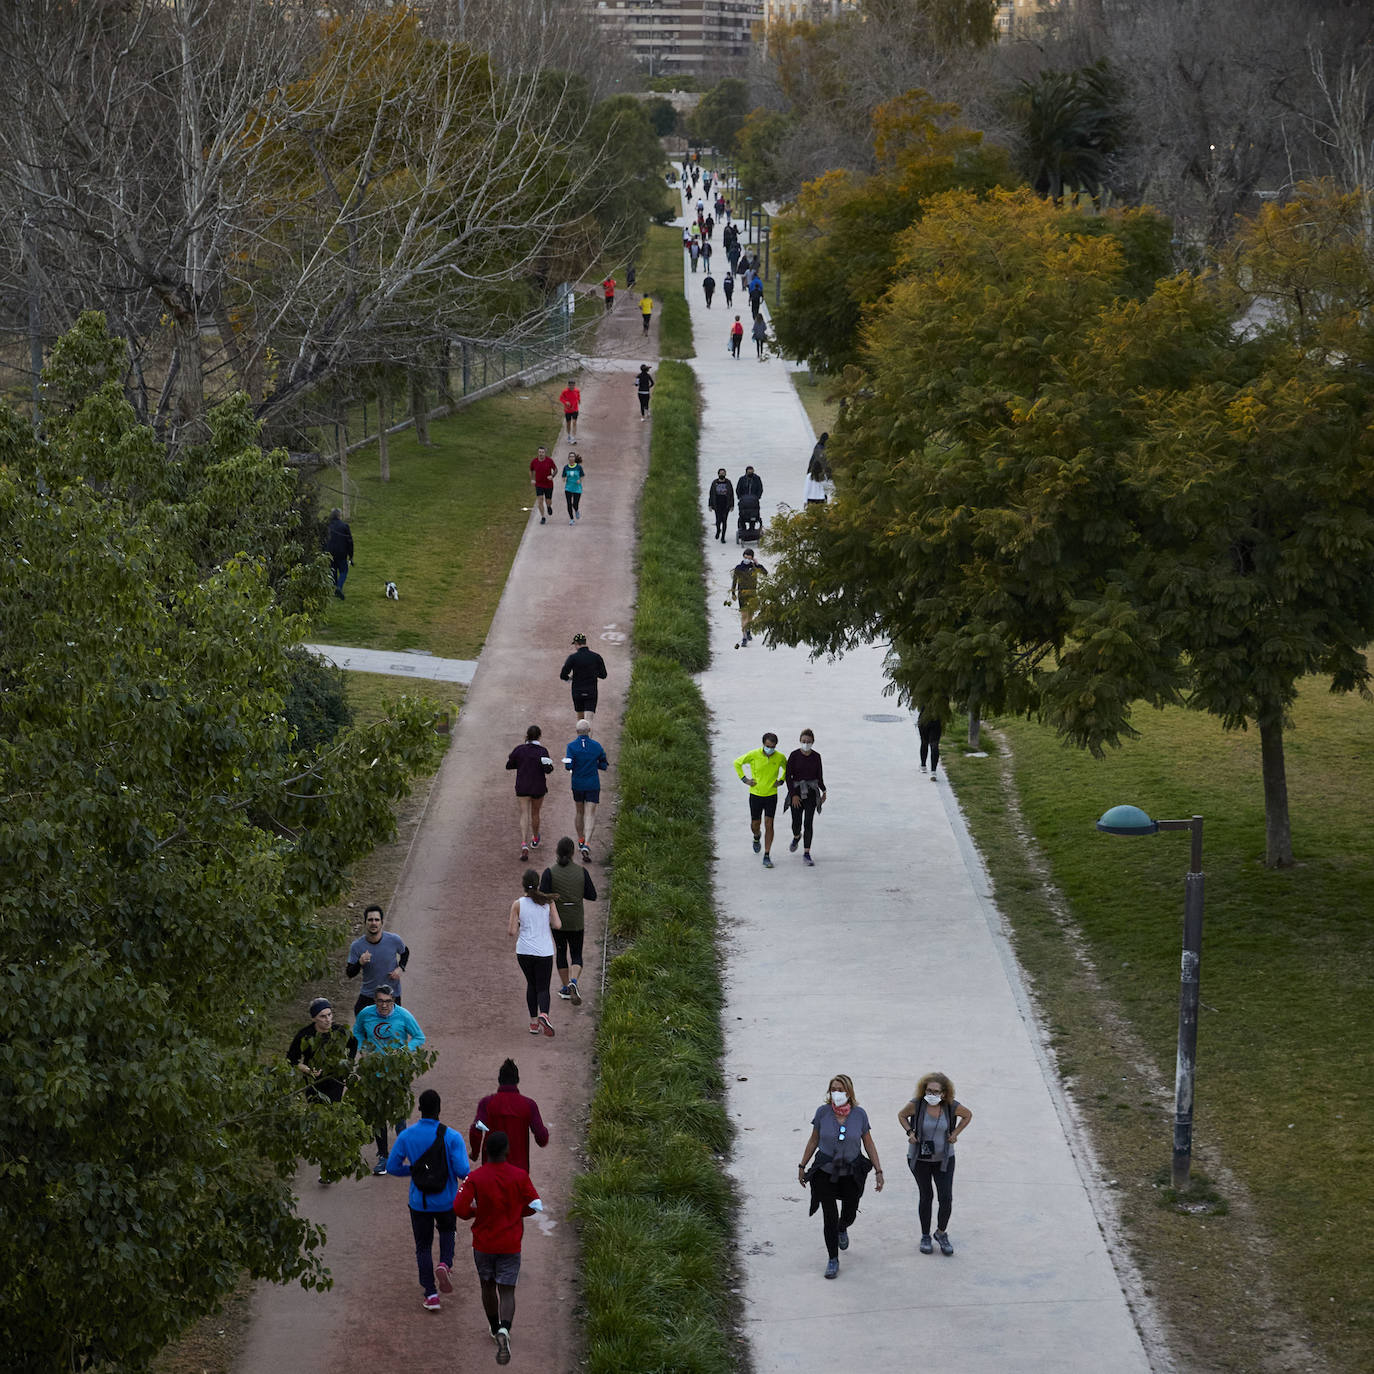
x,y
274,200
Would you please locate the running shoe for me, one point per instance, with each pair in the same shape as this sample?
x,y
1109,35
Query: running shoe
x,y
441,1272
933,778
792,848
534,1027
586,854
927,1248
545,1024
524,851
758,844
543,521
808,861
942,1241
379,1168
534,842
565,993
503,1346
844,1240
431,1303
832,1269
570,522
576,995
767,862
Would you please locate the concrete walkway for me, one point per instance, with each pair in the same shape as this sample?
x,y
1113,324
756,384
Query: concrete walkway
x,y
396,663
884,961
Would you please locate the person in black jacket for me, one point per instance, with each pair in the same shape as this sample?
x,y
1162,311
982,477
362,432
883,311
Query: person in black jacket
x,y
583,668
720,501
751,484
338,544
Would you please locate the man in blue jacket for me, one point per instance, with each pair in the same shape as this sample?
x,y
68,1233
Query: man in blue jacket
x,y
431,1205
586,760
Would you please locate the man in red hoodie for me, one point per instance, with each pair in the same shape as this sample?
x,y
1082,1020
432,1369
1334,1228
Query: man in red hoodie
x,y
510,1111
498,1197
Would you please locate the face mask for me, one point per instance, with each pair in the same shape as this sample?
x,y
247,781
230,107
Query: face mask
x,y
768,749
839,1099
806,748
934,1099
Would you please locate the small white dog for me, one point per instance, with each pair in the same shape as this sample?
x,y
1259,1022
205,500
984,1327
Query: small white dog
x,y
391,593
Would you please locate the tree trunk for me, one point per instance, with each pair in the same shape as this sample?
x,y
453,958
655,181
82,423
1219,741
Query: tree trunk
x,y
190,384
383,443
419,405
341,438
975,727
1278,836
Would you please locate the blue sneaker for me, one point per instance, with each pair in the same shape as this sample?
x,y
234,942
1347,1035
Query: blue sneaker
x,y
767,862
844,1240
758,844
832,1269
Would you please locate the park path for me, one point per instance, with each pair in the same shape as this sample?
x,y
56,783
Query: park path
x,y
451,906
886,960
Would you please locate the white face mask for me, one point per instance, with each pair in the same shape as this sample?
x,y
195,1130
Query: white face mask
x,y
934,1099
768,749
839,1098
806,748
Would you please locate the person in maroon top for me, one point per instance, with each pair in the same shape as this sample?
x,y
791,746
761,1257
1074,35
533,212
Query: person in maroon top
x,y
805,792
508,1111
542,469
498,1197
531,764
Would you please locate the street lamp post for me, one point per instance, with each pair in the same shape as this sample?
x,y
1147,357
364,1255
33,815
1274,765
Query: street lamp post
x,y
1131,820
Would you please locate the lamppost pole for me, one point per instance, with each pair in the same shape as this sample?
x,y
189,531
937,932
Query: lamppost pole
x,y
1130,820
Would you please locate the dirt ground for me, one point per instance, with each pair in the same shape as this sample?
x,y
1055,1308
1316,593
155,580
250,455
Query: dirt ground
x,y
451,905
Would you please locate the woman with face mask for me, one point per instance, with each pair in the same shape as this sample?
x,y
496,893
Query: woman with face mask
x,y
805,793
844,1151
933,1121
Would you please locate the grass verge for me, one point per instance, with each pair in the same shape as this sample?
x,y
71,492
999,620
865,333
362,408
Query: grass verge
x,y
660,274
445,528
1285,1088
814,394
655,1205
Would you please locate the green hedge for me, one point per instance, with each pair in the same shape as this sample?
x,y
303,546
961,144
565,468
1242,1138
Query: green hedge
x,y
655,1205
660,274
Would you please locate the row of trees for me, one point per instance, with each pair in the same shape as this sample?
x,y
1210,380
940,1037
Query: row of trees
x,y
167,838
1070,482
1197,109
268,203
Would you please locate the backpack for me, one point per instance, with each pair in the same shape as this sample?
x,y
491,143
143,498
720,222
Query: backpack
x,y
430,1173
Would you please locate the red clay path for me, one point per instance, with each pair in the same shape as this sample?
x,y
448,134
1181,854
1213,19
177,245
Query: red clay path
x,y
451,905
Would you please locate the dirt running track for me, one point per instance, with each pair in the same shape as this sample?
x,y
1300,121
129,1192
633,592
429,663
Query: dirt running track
x,y
451,906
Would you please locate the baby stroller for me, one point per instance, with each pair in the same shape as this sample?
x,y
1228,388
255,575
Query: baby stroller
x,y
749,524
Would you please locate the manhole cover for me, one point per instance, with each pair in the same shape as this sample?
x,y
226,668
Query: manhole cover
x,y
886,720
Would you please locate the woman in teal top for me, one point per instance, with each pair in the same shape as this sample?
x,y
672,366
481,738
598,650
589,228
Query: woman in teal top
x,y
573,472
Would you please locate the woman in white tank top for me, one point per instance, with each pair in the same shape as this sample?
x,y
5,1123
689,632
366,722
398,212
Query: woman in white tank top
x,y
533,919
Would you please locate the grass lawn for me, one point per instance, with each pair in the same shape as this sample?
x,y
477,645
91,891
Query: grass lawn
x,y
368,693
660,274
821,412
444,529
1285,1071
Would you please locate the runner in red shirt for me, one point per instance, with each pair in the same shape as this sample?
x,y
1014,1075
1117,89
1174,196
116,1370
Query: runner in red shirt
x,y
542,469
499,1197
608,290
571,398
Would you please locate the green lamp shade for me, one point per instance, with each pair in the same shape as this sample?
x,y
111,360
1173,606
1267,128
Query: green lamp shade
x,y
1127,820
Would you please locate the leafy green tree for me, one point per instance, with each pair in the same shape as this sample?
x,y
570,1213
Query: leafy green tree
x,y
757,145
1069,126
167,844
719,114
837,247
1061,493
662,115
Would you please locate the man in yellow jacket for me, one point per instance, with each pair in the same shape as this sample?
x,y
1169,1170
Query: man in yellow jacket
x,y
761,771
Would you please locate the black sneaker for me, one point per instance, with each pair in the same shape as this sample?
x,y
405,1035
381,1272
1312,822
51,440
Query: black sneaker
x,y
927,1247
942,1241
792,848
503,1346
565,992
844,1240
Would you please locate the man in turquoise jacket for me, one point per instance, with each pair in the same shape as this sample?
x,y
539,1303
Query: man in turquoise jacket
x,y
435,1207
761,771
381,1027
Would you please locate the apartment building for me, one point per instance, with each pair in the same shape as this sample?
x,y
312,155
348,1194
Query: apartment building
x,y
812,11
684,37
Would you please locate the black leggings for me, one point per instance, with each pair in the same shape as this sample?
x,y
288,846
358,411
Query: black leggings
x,y
930,741
568,947
643,402
722,522
839,1199
574,500
803,815
538,970
931,1178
